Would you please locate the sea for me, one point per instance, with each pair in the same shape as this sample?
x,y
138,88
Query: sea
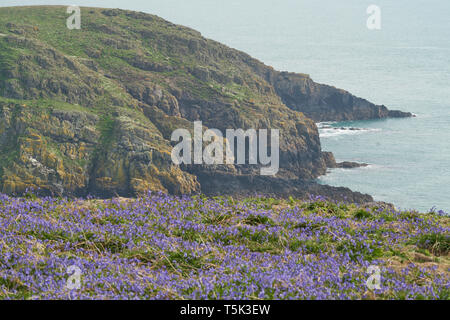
x,y
404,65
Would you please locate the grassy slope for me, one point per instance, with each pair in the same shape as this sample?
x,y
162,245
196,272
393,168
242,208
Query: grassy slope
x,y
121,38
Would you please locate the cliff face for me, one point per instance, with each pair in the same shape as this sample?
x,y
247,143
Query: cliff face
x,y
67,152
91,111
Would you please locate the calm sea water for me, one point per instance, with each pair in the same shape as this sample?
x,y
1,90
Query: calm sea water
x,y
405,65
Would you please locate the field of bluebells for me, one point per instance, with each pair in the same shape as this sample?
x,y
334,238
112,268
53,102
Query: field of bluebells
x,y
164,247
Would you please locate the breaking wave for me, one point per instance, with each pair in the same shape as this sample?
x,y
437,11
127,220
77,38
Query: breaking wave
x,y
327,129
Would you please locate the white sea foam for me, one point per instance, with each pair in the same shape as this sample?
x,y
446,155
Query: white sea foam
x,y
325,130
355,170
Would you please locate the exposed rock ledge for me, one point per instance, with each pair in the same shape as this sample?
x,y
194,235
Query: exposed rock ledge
x,y
330,162
218,183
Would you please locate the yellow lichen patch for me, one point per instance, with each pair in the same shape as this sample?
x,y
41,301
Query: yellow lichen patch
x,y
104,181
14,184
120,171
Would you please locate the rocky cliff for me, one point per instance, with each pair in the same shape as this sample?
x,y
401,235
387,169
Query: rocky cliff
x,y
326,103
91,111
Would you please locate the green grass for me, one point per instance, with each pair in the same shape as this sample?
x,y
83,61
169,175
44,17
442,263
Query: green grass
x,y
438,244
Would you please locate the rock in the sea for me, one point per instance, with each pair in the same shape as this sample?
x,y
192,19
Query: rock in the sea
x,y
350,165
329,159
331,163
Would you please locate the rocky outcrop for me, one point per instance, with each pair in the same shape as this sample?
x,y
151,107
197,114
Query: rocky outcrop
x,y
350,165
326,103
220,183
330,162
81,116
